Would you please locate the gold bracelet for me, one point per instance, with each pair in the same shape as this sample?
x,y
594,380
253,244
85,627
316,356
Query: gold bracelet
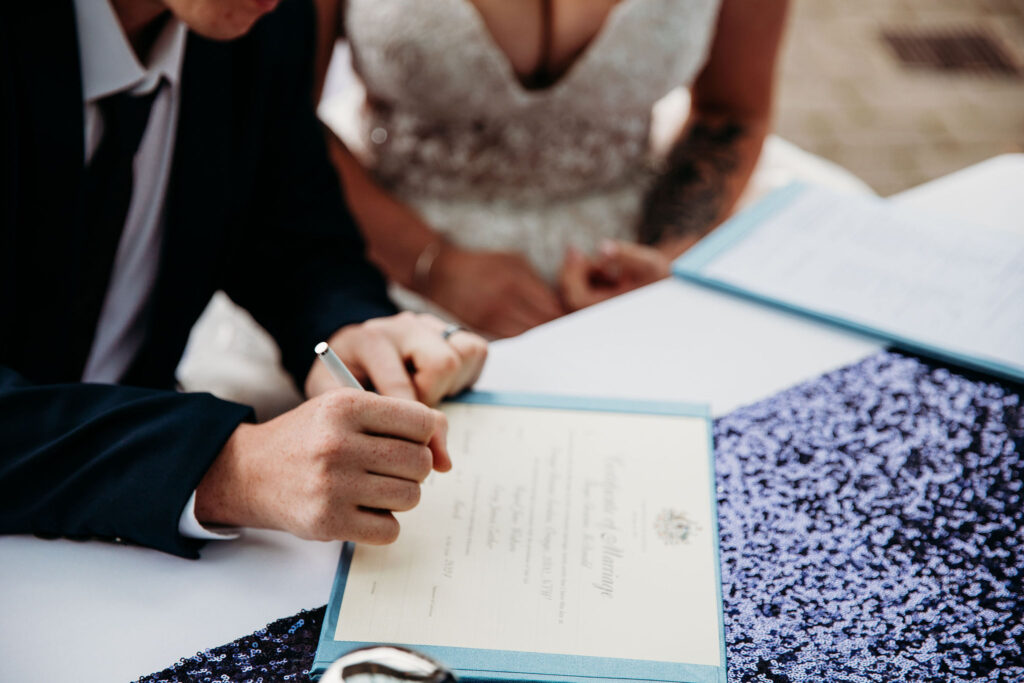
x,y
425,264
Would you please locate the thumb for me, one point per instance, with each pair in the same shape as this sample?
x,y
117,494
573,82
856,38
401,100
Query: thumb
x,y
636,261
439,444
574,279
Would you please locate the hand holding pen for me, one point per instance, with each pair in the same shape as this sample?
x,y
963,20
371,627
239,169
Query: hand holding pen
x,y
338,466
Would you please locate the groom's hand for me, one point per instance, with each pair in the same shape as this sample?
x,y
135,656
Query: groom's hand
x,y
404,356
334,468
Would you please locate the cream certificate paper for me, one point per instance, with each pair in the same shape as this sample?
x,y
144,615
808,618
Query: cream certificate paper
x,y
574,532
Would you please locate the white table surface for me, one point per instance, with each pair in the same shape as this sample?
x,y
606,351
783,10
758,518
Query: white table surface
x,y
98,612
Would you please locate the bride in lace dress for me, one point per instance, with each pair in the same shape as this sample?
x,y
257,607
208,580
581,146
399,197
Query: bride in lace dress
x,y
498,154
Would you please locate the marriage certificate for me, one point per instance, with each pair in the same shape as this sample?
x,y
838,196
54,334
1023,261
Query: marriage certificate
x,y
564,540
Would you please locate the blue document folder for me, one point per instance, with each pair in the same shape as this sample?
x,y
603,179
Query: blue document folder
x,y
654,529
927,283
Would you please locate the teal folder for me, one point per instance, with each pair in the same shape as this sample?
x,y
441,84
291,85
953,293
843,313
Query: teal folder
x,y
701,265
473,664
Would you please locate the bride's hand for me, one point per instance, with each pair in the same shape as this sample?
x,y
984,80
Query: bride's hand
x,y
618,268
494,292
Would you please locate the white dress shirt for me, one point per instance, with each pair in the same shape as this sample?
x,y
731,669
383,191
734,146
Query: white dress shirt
x,y
109,66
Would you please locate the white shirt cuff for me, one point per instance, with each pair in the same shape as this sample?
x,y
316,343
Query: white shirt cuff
x,y
190,527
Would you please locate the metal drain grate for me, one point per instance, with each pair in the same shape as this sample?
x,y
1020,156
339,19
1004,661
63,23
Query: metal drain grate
x,y
953,50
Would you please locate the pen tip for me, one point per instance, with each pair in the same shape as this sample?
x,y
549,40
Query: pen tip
x,y
321,348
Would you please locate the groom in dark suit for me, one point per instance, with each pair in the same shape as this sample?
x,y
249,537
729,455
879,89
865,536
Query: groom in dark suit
x,y
152,152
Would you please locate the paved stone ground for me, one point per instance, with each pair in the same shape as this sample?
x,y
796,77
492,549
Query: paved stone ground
x,y
843,93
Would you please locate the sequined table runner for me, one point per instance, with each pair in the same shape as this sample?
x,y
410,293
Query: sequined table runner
x,y
871,530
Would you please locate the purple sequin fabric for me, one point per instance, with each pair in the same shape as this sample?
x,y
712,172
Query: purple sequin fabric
x,y
871,530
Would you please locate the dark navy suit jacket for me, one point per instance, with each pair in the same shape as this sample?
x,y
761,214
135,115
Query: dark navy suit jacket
x,y
253,208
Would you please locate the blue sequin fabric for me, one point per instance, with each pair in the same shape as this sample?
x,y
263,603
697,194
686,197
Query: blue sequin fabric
x,y
871,530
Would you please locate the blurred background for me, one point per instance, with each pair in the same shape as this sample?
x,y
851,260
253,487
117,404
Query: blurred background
x,y
903,91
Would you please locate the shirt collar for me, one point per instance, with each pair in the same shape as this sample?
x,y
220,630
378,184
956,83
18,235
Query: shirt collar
x,y
109,64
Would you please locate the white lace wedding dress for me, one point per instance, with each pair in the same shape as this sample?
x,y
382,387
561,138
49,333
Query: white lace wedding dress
x,y
445,124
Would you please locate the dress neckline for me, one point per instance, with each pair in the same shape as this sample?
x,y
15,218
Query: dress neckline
x,y
583,57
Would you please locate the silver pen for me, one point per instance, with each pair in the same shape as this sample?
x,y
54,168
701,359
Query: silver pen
x,y
336,367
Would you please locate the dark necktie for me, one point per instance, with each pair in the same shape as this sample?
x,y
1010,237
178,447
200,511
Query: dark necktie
x,y
108,192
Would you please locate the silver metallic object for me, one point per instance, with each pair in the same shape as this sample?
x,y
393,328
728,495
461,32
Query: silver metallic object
x,y
384,664
450,330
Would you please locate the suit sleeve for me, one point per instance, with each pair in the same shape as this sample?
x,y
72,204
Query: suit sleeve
x,y
302,269
96,460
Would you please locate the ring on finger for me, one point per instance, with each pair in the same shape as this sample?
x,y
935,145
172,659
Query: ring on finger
x,y
450,330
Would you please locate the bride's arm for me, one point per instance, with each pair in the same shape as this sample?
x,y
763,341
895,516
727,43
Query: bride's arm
x,y
395,235
328,29
713,157
496,293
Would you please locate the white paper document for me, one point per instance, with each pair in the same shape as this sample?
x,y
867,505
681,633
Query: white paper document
x,y
570,532
928,282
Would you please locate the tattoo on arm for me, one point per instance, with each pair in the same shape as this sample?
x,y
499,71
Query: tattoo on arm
x,y
690,196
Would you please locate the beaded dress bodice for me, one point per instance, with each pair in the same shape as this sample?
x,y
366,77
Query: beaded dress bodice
x,y
446,115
